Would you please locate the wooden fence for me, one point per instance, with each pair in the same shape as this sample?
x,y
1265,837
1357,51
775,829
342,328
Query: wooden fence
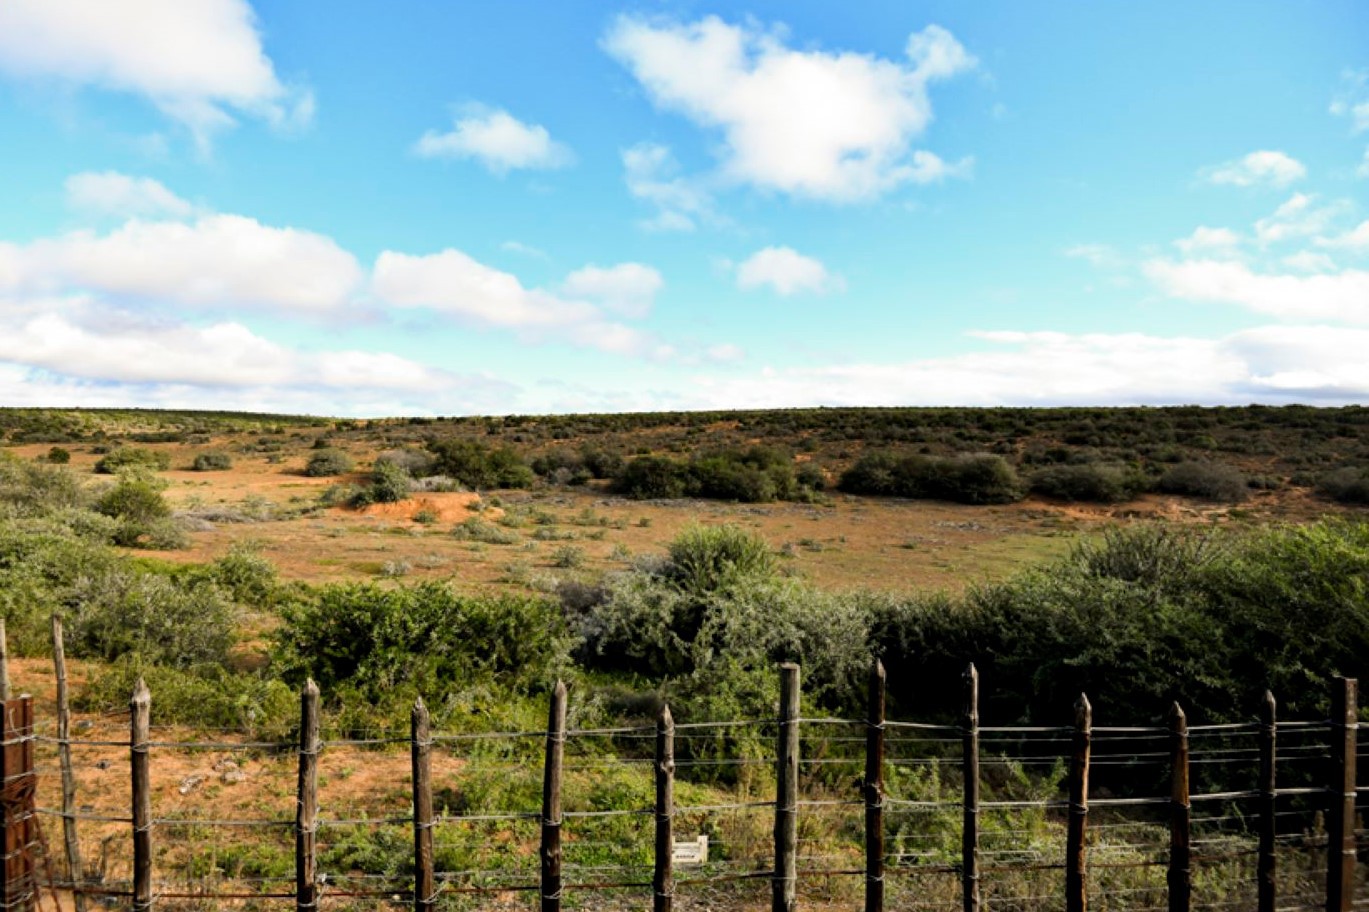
x,y
29,859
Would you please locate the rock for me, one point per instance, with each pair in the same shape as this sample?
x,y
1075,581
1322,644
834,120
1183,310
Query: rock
x,y
232,776
190,783
225,765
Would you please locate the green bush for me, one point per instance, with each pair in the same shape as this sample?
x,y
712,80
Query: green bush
x,y
651,478
476,465
142,513
1091,482
162,620
133,458
1208,480
973,479
328,462
709,558
59,455
203,696
390,644
1347,485
212,462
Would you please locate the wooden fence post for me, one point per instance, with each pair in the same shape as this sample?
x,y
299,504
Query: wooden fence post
x,y
1340,819
1076,887
663,877
4,663
139,736
1180,873
874,789
551,801
306,811
73,844
969,841
1268,804
421,746
784,883
18,873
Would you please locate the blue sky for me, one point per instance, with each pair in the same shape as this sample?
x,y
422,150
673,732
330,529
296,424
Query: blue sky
x,y
442,208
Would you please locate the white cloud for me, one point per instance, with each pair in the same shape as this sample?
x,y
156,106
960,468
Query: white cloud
x,y
1265,167
833,126
1307,261
1340,296
1353,100
1209,240
112,193
724,353
1100,255
786,271
455,284
1268,364
525,249
199,62
652,175
101,355
1355,240
498,140
628,289
1301,216
217,261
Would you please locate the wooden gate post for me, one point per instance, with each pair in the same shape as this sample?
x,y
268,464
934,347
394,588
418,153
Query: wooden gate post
x,y
1340,821
551,801
784,886
969,841
18,876
1076,889
306,811
421,747
663,875
1268,804
139,736
874,789
1180,873
69,835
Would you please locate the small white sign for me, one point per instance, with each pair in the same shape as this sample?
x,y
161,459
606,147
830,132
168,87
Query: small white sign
x,y
694,852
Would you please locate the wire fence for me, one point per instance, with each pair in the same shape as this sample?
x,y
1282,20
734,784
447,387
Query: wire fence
x,y
226,826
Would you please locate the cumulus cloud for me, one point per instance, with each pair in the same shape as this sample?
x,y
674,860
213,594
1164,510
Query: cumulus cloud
x,y
786,272
628,289
200,62
110,193
1355,240
1266,167
652,175
1270,364
1342,296
836,126
1209,240
1303,215
216,261
497,140
1352,101
455,284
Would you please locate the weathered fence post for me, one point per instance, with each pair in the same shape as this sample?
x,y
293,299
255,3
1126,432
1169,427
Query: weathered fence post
x,y
73,844
4,663
784,885
1340,819
18,873
1076,888
1268,804
663,876
1180,873
969,841
421,746
874,789
551,801
306,811
139,736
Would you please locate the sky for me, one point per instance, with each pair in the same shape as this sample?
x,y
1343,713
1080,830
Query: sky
x,y
447,208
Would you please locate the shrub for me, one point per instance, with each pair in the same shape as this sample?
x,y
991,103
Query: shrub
x,y
327,462
568,557
974,479
212,462
651,478
1347,485
709,558
204,695
476,465
137,503
59,455
389,484
1209,480
162,620
133,458
1093,482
